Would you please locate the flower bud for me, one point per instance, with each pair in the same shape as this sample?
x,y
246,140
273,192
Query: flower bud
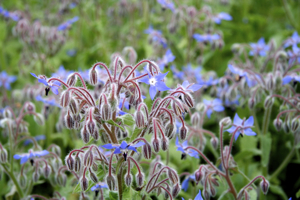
x,y
111,182
198,175
251,103
85,136
61,179
164,144
39,119
3,155
139,178
195,119
214,142
214,181
172,176
106,112
77,164
73,106
128,179
139,119
96,135
71,80
65,98
69,122
206,194
294,125
169,131
177,110
47,171
188,99
155,144
35,176
84,183
91,124
93,176
278,124
212,191
147,152
183,132
175,190
88,159
30,107
225,122
22,180
268,102
93,77
264,185
70,162
285,127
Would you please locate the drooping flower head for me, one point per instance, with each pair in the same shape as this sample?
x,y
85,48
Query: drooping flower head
x,y
198,197
156,36
294,55
30,156
185,182
289,78
213,105
123,147
54,85
183,146
222,16
294,40
99,186
206,37
188,87
168,57
6,80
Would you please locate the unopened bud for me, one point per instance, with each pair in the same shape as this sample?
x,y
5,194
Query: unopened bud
x,y
84,183
35,176
47,171
88,159
214,142
198,176
111,182
71,80
251,103
70,162
106,112
155,144
264,185
93,76
214,181
196,119
3,155
169,132
65,98
268,102
278,124
183,132
30,107
96,135
172,176
177,110
77,165
139,179
128,179
164,144
93,176
91,124
139,119
61,179
73,107
225,122
294,125
175,190
69,122
23,180
85,136
188,99
39,119
147,152
270,82
212,191
206,194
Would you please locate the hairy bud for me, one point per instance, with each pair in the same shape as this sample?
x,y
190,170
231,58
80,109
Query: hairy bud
x,y
35,176
206,194
61,179
111,182
155,144
214,142
22,180
106,112
268,102
30,107
69,122
70,162
85,136
84,183
93,176
177,110
139,119
175,190
93,76
128,179
47,171
172,176
91,124
188,99
198,175
77,165
71,80
294,125
73,107
251,103
226,122
196,119
169,131
264,185
39,119
3,155
147,152
96,135
139,179
183,132
164,144
278,124
88,159
65,98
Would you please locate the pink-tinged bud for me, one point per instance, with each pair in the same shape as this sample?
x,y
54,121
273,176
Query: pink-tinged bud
x,y
169,132
147,152
85,136
91,124
70,162
165,192
183,132
139,119
106,112
225,122
96,135
164,144
173,176
128,179
198,176
39,119
93,76
95,167
84,183
155,144
215,181
268,102
175,190
196,119
214,142
65,98
158,191
212,191
206,194
73,107
77,165
35,176
22,180
278,124
88,159
247,196
295,125
188,99
251,103
3,155
69,122
30,107
264,185
93,176
139,178
177,110
111,182
71,80
61,179
47,171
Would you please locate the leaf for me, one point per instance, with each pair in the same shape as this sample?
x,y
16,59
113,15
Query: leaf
x,y
127,119
129,194
135,133
111,122
113,195
9,195
61,137
266,142
278,190
298,194
253,194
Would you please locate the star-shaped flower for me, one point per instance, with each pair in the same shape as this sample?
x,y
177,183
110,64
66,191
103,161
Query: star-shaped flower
x,y
188,87
185,182
198,197
54,86
183,146
123,147
6,80
167,4
99,186
243,126
289,78
295,39
222,16
206,37
30,155
260,48
213,105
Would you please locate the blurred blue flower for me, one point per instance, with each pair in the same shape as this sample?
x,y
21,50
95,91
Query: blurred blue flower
x,y
54,86
185,182
294,55
260,48
62,74
8,14
156,36
198,197
167,4
30,155
71,52
213,105
103,151
177,74
168,57
222,16
72,5
250,78
37,138
244,126
181,147
99,186
155,82
289,78
6,80
206,37
51,102
67,24
189,87
295,39
123,147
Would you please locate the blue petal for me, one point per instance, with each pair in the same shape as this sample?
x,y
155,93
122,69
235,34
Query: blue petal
x,y
24,159
209,112
249,132
17,156
286,80
43,81
198,197
34,75
161,86
161,76
185,184
231,129
138,144
108,146
117,151
42,153
237,120
237,134
185,84
195,87
152,91
177,142
54,90
132,148
145,79
218,108
123,145
249,121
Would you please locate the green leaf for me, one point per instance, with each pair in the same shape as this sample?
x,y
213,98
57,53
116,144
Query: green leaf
x,y
127,119
266,142
129,194
135,133
253,194
298,194
61,137
111,122
278,190
113,195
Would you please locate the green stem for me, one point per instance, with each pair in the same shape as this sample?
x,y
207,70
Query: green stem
x,y
11,146
246,177
120,183
283,164
13,178
168,157
253,113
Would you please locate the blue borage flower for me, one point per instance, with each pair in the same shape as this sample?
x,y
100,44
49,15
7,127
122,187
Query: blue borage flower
x,y
37,138
8,14
167,58
104,152
62,74
71,52
206,37
183,146
294,39
67,24
289,78
294,55
32,154
250,78
156,36
123,147
198,197
99,186
177,74
222,16
188,87
260,48
185,182
155,82
167,4
51,102
213,105
6,80
54,86
244,126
